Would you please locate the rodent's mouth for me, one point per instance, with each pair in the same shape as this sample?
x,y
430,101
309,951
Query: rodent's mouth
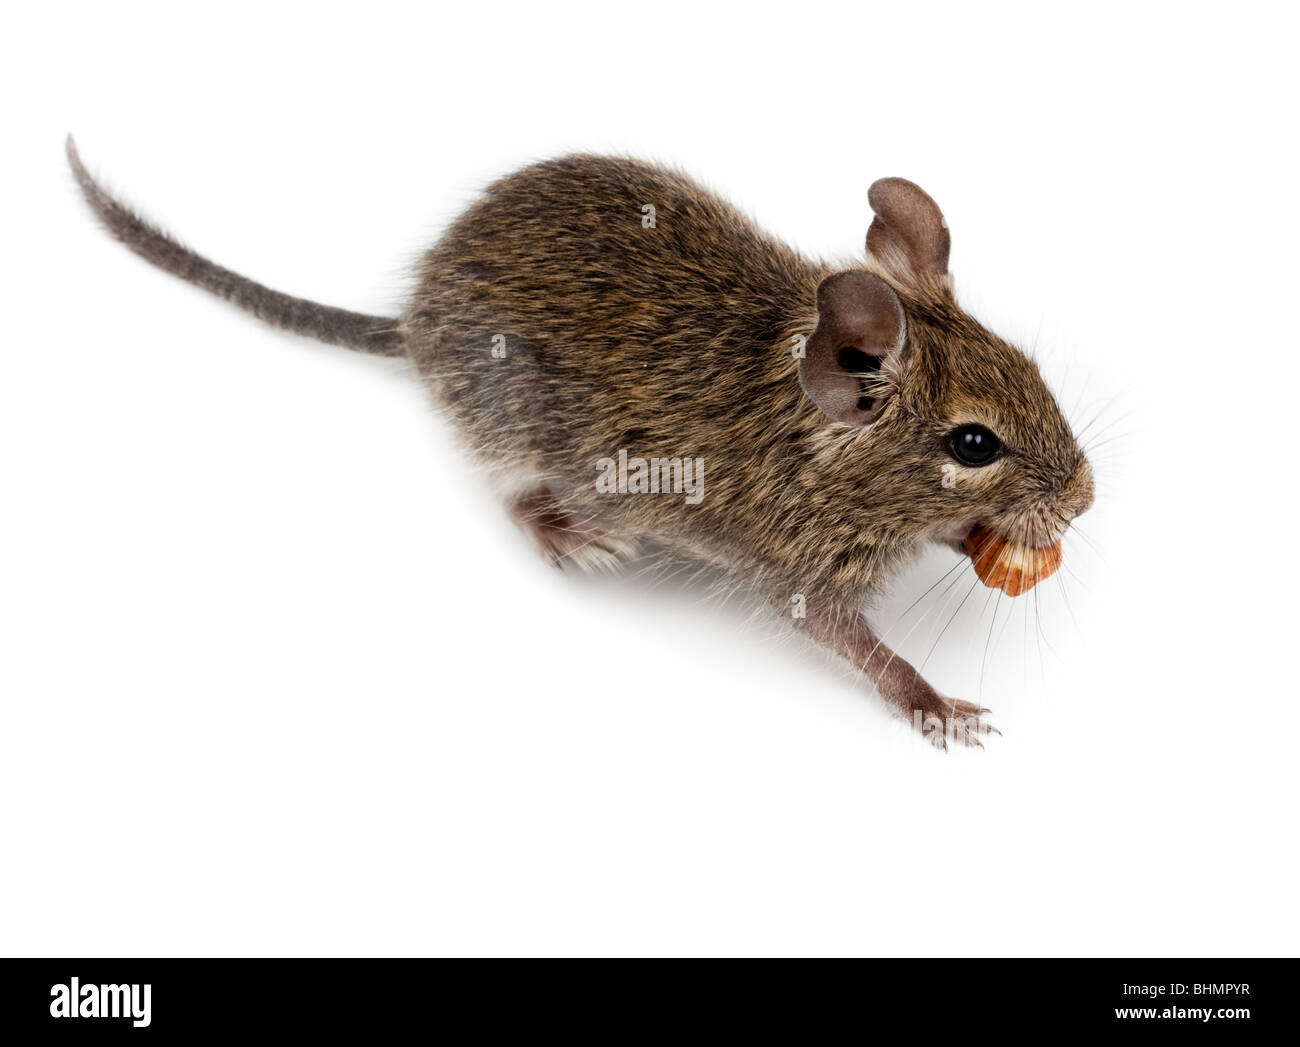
x,y
1013,567
954,536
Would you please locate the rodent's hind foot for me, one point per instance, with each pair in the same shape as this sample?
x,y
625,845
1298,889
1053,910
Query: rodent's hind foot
x,y
563,538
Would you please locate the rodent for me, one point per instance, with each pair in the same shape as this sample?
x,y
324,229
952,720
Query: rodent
x,y
842,416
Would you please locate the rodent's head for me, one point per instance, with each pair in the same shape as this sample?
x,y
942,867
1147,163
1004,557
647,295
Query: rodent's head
x,y
950,427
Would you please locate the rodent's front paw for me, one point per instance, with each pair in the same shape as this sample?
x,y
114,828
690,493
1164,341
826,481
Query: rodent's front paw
x,y
943,719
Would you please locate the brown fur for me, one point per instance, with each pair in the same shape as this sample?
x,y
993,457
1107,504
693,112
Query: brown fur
x,y
676,340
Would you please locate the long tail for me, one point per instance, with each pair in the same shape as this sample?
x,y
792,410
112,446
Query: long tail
x,y
370,334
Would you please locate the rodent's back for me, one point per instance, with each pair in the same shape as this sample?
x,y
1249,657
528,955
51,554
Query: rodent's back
x,y
618,332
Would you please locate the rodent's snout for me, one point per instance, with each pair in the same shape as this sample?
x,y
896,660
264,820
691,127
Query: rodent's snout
x,y
1039,520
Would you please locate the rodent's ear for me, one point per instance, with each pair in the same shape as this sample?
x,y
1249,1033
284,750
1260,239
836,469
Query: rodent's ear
x,y
860,327
908,236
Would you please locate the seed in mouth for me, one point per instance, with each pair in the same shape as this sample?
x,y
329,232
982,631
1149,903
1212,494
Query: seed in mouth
x,y
1010,566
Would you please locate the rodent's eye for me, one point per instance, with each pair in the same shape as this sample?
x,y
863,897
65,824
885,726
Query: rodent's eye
x,y
973,445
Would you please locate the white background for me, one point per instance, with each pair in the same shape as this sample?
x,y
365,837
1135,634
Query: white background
x,y
279,677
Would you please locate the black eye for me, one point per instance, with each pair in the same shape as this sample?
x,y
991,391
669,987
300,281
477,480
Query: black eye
x,y
973,445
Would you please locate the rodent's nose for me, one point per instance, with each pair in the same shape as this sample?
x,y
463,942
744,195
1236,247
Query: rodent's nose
x,y
1078,496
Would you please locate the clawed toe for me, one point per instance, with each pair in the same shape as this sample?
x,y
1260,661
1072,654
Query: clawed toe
x,y
956,721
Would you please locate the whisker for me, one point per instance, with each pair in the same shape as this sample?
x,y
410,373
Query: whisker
x,y
948,623
1092,545
1065,596
984,661
885,635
